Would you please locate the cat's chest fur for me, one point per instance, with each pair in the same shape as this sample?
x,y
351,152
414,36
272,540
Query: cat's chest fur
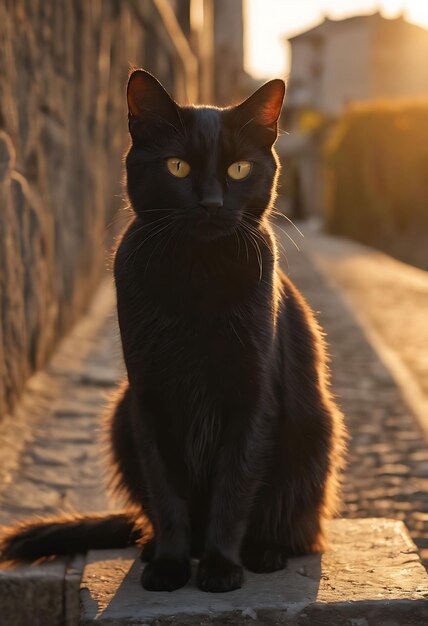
x,y
203,331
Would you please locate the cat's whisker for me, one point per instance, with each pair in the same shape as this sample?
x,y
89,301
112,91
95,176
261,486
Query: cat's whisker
x,y
130,255
256,231
174,232
150,236
245,242
256,246
181,122
289,236
157,245
278,242
249,230
118,217
258,237
236,333
152,210
278,215
149,111
274,212
237,244
156,233
282,215
155,221
136,232
239,131
145,227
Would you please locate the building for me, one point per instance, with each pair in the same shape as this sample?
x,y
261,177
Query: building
x,y
337,63
231,82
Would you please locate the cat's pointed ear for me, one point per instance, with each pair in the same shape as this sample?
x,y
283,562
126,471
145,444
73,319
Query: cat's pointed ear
x,y
264,105
147,97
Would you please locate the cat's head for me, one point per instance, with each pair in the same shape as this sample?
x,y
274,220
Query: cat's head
x,y
204,168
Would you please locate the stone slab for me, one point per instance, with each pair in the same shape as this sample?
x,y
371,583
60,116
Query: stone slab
x,y
32,594
46,594
73,576
371,575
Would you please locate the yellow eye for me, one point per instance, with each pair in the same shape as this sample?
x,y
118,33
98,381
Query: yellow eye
x,y
178,167
239,170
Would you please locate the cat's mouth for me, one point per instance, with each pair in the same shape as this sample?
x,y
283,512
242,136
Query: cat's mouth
x,y
213,224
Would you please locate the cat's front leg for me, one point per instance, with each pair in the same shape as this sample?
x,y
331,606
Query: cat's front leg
x,y
169,568
236,479
166,482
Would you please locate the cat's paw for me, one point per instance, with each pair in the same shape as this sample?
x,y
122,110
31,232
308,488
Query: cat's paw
x,y
166,574
263,557
217,574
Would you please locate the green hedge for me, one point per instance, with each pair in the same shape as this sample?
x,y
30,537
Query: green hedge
x,y
377,178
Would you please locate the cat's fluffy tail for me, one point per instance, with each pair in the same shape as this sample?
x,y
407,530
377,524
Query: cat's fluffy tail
x,y
69,534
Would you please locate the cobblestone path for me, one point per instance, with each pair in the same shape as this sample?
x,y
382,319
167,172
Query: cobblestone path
x,y
387,471
391,300
51,449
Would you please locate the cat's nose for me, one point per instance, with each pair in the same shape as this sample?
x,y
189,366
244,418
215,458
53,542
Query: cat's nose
x,y
212,202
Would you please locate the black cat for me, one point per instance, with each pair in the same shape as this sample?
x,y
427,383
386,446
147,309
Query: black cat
x,y
225,436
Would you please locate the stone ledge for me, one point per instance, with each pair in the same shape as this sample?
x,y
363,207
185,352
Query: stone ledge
x,y
370,576
41,595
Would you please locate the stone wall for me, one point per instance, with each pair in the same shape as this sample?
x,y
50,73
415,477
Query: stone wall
x,y
63,72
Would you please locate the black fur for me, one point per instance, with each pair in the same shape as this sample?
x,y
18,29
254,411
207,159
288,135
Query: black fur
x,y
225,435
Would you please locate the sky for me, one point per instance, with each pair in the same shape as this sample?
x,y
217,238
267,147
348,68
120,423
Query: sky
x,y
268,21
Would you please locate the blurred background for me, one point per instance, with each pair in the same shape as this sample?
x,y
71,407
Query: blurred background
x,y
354,151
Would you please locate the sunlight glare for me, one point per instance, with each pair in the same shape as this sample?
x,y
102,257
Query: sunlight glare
x,y
269,21
417,12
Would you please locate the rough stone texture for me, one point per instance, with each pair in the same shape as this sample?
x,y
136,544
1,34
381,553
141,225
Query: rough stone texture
x,y
33,595
62,132
73,576
371,573
41,595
